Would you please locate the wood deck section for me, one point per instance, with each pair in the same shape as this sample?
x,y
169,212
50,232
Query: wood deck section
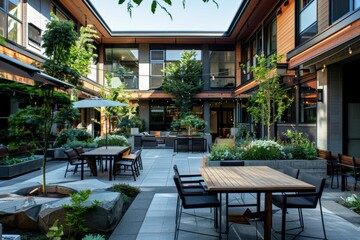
x,y
251,179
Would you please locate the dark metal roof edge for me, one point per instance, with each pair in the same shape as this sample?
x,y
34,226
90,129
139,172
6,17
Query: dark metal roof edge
x,y
237,17
325,34
92,9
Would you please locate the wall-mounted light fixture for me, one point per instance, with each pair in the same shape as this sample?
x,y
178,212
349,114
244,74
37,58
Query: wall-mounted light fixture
x,y
350,51
320,95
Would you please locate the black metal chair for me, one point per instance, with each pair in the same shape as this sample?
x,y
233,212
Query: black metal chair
x,y
333,167
300,201
182,143
127,167
73,159
349,168
194,202
290,171
198,144
193,186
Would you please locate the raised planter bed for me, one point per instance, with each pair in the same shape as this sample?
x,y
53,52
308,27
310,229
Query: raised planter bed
x,y
10,171
315,167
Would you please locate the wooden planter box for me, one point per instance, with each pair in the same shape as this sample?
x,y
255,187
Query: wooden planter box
x,y
11,171
314,167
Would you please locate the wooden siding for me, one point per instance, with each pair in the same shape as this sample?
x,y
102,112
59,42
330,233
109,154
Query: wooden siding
x,y
286,30
20,57
338,38
323,14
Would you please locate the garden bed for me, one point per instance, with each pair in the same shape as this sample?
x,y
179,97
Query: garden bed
x,y
10,171
315,167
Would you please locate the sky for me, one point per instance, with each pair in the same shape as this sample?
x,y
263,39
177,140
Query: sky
x,y
197,16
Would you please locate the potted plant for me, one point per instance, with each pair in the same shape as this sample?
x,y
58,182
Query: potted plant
x,y
192,123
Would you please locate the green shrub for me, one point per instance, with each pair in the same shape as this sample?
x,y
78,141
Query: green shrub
x,y
224,151
13,160
300,146
75,212
75,144
126,189
262,150
113,140
93,237
70,135
352,202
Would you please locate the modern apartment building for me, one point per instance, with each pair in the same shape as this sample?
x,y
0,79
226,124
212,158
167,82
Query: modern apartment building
x,y
319,41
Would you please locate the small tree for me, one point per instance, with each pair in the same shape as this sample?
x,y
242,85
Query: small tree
x,y
270,101
183,80
34,123
69,55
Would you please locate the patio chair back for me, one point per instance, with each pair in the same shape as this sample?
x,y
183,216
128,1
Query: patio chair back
x,y
290,171
232,163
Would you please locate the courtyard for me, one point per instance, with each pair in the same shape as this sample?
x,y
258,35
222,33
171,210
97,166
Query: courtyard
x,y
152,214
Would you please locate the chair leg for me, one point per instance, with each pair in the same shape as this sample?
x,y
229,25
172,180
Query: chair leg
x,y
283,222
322,219
67,167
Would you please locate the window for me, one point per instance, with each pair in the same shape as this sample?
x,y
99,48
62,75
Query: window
x,y
58,12
124,64
161,115
289,115
306,20
222,69
159,59
270,38
10,20
157,64
308,102
34,34
341,7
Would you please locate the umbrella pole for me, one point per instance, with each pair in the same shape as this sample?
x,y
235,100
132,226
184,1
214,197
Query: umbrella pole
x,y
106,130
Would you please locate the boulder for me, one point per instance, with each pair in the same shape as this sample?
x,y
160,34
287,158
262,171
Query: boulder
x,y
102,218
20,211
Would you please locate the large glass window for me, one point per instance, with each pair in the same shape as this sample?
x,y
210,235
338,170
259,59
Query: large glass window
x,y
308,102
123,63
306,20
289,115
341,7
10,20
270,38
159,59
222,69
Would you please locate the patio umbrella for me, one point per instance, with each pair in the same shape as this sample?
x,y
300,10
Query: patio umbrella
x,y
99,102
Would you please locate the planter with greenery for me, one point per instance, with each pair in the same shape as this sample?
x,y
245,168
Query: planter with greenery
x,y
298,152
14,166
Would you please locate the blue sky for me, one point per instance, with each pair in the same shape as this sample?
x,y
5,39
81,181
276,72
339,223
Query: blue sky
x,y
197,16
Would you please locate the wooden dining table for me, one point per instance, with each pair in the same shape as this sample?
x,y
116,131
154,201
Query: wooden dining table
x,y
111,153
253,179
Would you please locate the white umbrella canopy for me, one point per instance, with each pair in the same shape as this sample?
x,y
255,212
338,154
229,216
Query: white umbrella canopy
x,y
97,102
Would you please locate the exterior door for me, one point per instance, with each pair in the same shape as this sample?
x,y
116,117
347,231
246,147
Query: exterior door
x,y
353,132
221,121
